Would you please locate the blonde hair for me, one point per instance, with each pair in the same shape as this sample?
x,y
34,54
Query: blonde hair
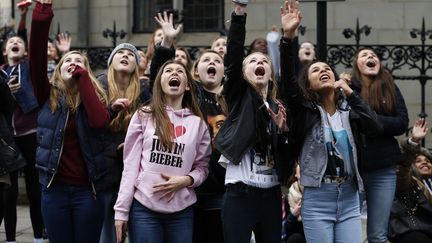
x,y
121,121
219,97
272,85
71,95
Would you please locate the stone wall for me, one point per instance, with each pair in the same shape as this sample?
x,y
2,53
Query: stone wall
x,y
391,22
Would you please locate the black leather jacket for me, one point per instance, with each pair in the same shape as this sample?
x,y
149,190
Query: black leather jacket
x,y
240,131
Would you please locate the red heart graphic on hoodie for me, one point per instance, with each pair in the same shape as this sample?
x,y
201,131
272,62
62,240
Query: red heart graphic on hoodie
x,y
179,131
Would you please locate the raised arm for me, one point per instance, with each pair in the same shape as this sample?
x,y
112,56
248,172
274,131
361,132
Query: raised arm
x,y
98,116
410,149
41,20
22,29
165,51
290,20
234,82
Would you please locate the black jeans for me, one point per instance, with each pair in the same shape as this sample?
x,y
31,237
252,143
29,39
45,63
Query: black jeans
x,y
27,145
246,209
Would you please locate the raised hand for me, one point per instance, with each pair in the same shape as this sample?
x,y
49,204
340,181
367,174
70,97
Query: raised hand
x,y
63,42
419,131
290,18
167,24
239,8
23,10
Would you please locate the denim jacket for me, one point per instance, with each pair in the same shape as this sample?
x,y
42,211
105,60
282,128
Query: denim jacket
x,y
309,138
50,135
25,96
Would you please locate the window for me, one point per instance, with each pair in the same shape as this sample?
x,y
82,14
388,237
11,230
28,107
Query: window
x,y
203,15
198,15
144,12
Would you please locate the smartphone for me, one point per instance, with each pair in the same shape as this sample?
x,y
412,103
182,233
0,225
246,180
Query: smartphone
x,y
13,77
244,2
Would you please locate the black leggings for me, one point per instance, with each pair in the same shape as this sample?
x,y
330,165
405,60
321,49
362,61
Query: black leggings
x,y
27,145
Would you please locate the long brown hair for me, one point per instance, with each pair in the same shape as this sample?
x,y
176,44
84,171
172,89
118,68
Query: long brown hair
x,y
164,129
121,121
72,96
380,95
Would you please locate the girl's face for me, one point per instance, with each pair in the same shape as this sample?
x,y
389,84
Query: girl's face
x,y
260,45
69,63
15,48
368,63
181,57
320,76
158,36
143,61
219,46
306,52
124,61
210,70
174,80
424,166
52,52
257,69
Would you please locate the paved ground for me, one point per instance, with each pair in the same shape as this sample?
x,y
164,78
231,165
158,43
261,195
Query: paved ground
x,y
24,229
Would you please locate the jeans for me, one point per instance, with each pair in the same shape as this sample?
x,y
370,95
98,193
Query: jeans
x,y
71,214
108,234
380,188
247,208
147,226
331,213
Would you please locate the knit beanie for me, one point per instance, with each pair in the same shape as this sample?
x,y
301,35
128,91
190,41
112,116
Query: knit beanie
x,y
126,46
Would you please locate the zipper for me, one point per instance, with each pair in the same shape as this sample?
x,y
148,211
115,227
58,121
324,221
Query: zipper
x,y
61,150
93,190
3,142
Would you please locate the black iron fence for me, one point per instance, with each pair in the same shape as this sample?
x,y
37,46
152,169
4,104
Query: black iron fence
x,y
98,56
405,62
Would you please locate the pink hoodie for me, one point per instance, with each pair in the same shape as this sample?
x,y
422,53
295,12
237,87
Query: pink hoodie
x,y
145,160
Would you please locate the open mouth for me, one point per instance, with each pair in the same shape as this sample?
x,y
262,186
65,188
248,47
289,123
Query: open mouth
x,y
211,71
324,77
307,53
124,62
15,49
174,82
260,71
424,167
70,68
370,63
